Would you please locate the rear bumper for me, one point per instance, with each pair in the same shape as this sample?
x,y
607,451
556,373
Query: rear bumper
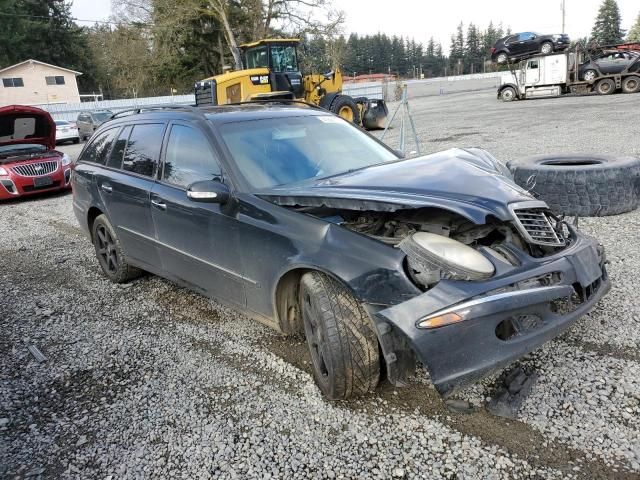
x,y
463,352
15,186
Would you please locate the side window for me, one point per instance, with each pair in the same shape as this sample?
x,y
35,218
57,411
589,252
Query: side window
x,y
526,36
511,39
117,153
533,64
143,148
189,157
99,147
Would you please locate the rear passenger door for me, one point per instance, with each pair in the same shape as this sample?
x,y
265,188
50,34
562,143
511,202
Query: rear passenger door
x,y
125,188
198,241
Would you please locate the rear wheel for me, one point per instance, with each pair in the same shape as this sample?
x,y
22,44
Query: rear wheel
x,y
344,106
109,252
631,84
606,86
546,48
502,57
508,94
341,338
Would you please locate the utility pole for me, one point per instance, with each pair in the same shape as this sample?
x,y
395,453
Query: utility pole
x,y
563,5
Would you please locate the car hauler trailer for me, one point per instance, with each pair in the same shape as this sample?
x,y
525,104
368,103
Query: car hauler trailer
x,y
559,74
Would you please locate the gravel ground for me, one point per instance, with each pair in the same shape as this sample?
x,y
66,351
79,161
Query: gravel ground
x,y
148,380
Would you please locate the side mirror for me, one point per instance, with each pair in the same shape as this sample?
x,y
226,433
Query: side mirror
x,y
329,75
399,152
209,191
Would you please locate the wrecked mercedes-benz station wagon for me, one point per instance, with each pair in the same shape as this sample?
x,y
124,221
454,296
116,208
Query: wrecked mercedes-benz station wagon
x,y
314,227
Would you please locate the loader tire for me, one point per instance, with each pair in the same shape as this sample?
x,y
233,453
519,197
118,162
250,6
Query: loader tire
x,y
344,106
342,340
578,184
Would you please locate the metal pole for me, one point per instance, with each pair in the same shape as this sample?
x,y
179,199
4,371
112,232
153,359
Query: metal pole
x,y
563,13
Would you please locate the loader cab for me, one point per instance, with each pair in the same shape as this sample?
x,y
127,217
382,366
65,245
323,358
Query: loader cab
x,y
280,56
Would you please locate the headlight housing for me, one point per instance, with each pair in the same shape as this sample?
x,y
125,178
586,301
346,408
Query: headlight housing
x,y
3,171
433,257
66,160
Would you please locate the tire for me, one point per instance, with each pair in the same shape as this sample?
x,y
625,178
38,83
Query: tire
x,y
76,140
546,48
631,84
584,185
502,57
342,340
606,86
109,252
590,75
508,94
344,106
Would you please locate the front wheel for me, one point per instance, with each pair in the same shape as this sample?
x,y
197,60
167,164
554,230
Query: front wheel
x,y
546,48
341,338
109,252
590,75
508,94
344,106
606,86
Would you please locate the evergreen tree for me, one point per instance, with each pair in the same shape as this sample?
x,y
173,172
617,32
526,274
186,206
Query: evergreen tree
x,y
634,33
473,50
457,53
606,29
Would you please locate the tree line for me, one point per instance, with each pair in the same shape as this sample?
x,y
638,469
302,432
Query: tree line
x,y
156,47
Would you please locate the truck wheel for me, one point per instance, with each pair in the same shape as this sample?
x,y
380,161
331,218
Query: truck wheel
x,y
341,338
508,94
109,252
502,58
631,84
606,86
590,75
585,185
344,106
546,48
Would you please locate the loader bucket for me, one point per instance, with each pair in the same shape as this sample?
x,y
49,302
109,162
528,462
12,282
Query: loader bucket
x,y
375,115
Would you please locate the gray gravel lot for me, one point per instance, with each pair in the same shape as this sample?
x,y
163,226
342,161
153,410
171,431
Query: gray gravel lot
x,y
148,380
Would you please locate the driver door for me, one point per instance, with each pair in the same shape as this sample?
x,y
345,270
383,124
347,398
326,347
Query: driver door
x,y
198,242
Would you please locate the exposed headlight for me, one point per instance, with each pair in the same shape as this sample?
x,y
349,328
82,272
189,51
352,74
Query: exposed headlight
x,y
3,171
66,160
433,257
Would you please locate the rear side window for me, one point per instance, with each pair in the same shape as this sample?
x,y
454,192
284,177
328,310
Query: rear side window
x,y
117,153
143,148
98,149
189,157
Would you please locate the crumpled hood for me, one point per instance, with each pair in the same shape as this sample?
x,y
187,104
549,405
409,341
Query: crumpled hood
x,y
22,124
469,182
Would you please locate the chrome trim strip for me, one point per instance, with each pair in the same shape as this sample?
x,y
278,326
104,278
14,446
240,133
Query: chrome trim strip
x,y
29,170
182,252
463,309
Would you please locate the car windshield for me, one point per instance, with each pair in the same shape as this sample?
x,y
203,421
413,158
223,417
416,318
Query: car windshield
x,y
279,151
102,116
20,149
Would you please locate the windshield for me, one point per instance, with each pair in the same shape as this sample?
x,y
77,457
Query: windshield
x,y
283,58
20,149
102,116
257,58
279,151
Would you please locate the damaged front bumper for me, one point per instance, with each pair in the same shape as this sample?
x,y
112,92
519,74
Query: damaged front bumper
x,y
504,318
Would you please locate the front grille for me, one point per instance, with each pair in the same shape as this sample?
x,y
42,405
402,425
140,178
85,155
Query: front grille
x,y
36,169
535,226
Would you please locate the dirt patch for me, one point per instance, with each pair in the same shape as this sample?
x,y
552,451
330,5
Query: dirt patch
x,y
453,137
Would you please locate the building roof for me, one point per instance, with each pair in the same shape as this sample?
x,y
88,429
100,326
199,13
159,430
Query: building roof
x,y
31,61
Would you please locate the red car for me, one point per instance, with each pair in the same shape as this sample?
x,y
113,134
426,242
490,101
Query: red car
x,y
29,163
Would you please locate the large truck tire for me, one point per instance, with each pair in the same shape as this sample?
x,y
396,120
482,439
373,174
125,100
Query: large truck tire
x,y
344,106
578,184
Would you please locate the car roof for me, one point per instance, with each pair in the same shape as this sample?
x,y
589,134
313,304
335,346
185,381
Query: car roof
x,y
221,114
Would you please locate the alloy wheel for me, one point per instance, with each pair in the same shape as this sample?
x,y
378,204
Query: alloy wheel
x,y
315,337
106,249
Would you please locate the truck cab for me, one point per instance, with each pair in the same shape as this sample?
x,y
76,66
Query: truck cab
x,y
538,76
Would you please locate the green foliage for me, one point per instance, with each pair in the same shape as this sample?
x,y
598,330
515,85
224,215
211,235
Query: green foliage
x,y
606,29
634,33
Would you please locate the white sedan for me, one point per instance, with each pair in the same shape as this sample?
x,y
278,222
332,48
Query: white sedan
x,y
66,131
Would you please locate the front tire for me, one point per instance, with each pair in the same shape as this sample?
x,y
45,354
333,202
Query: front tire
x,y
344,106
341,337
590,75
109,252
546,48
508,94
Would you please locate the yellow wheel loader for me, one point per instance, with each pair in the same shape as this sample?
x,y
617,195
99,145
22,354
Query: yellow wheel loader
x,y
271,73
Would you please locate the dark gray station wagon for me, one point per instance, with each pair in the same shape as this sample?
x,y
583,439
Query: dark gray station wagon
x,y
312,226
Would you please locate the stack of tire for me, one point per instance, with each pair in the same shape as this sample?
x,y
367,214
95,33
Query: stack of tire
x,y
583,185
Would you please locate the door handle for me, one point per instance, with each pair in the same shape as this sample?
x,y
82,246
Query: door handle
x,y
159,204
106,188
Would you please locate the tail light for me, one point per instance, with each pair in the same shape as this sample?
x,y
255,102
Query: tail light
x,y
493,49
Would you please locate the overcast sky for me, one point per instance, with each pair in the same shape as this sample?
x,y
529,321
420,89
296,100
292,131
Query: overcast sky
x,y
424,18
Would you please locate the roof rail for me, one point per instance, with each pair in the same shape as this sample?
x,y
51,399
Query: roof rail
x,y
275,100
140,109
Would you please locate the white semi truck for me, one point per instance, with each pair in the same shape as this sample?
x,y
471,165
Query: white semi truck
x,y
561,74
